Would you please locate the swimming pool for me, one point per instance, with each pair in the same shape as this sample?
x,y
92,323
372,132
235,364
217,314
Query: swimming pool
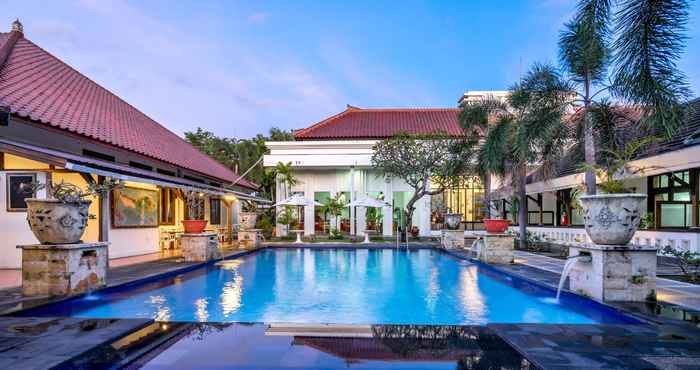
x,y
346,286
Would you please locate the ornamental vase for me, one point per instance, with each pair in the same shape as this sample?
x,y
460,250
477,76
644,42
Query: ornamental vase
x,y
453,220
55,222
612,219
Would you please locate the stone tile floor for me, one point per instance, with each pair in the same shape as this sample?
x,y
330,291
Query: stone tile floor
x,y
672,291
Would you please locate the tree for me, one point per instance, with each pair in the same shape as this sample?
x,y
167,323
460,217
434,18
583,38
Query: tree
x,y
527,130
474,119
427,163
640,41
284,173
241,155
334,207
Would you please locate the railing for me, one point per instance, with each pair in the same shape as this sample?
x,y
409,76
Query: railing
x,y
684,241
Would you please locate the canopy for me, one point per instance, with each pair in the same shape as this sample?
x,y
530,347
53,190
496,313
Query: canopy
x,y
368,202
297,200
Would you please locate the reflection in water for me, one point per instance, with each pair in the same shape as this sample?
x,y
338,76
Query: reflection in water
x,y
232,291
472,299
309,267
433,290
201,310
161,309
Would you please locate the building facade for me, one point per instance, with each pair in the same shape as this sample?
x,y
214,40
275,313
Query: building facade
x,y
333,158
58,125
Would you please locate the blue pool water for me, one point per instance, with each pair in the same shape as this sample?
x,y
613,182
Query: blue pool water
x,y
354,286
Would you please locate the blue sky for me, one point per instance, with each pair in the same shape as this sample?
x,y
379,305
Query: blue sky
x,y
238,68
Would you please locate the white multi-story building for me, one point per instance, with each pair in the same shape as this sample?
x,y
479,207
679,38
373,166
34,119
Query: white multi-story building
x,y
334,157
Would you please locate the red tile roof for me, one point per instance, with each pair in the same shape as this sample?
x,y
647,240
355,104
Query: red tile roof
x,y
38,86
359,123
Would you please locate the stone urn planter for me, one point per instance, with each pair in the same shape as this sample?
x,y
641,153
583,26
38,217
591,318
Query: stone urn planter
x,y
453,220
194,226
612,219
497,226
248,220
56,222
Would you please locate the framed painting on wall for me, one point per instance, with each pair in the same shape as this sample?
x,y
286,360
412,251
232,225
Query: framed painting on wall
x,y
134,207
18,188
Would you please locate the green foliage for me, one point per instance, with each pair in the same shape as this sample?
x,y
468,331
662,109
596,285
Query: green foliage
x,y
334,207
687,261
285,173
584,45
422,161
264,223
286,217
647,221
618,164
68,192
335,234
194,201
240,155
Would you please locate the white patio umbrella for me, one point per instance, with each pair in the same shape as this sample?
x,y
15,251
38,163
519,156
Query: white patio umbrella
x,y
298,200
368,202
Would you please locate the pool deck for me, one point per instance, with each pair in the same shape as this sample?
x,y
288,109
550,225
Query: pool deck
x,y
661,342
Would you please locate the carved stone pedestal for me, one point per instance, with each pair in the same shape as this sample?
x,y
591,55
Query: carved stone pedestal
x,y
63,269
249,237
615,272
494,248
200,247
452,239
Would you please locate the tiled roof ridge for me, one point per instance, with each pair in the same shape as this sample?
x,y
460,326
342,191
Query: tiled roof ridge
x,y
153,122
350,109
8,45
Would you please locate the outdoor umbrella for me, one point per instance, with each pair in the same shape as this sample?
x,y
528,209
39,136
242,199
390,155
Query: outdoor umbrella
x,y
368,202
298,200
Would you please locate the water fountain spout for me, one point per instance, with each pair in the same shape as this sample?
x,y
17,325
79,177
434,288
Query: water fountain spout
x,y
570,262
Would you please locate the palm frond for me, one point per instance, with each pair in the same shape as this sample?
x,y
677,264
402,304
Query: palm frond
x,y
584,42
650,39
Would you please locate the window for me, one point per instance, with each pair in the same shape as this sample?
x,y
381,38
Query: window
x,y
167,206
465,198
215,211
670,199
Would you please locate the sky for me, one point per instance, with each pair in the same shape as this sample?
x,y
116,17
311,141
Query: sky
x,y
238,68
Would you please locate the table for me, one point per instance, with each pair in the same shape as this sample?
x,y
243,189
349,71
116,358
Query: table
x,y
367,232
298,232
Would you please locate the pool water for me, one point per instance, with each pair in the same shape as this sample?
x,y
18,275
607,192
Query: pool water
x,y
347,286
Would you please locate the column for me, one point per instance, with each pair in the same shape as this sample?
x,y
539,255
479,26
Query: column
x,y
352,198
388,214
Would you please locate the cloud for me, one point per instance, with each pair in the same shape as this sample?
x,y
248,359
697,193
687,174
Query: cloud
x,y
182,79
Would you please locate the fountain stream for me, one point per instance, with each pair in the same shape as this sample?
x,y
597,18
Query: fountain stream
x,y
570,262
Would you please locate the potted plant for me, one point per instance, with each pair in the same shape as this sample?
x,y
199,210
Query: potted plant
x,y
62,217
497,225
612,217
195,211
453,220
249,215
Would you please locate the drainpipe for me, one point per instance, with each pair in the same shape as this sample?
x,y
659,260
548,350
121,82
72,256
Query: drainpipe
x,y
352,198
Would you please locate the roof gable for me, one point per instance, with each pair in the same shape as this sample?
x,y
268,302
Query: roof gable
x,y
38,86
380,123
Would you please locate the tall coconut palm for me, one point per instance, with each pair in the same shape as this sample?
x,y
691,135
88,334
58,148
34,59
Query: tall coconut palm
x,y
525,131
285,175
626,49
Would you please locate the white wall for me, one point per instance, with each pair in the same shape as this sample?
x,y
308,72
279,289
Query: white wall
x,y
14,229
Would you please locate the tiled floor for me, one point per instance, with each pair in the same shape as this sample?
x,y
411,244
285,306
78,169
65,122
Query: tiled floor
x,y
672,291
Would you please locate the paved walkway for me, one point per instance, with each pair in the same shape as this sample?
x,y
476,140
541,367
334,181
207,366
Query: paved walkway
x,y
671,291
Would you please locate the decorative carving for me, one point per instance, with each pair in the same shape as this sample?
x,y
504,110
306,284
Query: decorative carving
x,y
606,217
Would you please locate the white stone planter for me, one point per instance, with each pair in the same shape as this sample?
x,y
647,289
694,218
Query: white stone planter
x,y
248,220
612,219
453,220
55,222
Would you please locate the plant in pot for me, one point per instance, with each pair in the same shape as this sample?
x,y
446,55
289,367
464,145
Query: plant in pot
x,y
249,214
452,220
195,222
495,224
63,216
612,217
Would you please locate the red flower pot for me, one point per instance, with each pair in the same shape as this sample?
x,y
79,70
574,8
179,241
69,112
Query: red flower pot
x,y
194,226
496,226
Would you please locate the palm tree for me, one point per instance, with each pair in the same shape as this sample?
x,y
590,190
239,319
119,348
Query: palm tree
x,y
527,130
474,119
285,174
334,207
639,41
